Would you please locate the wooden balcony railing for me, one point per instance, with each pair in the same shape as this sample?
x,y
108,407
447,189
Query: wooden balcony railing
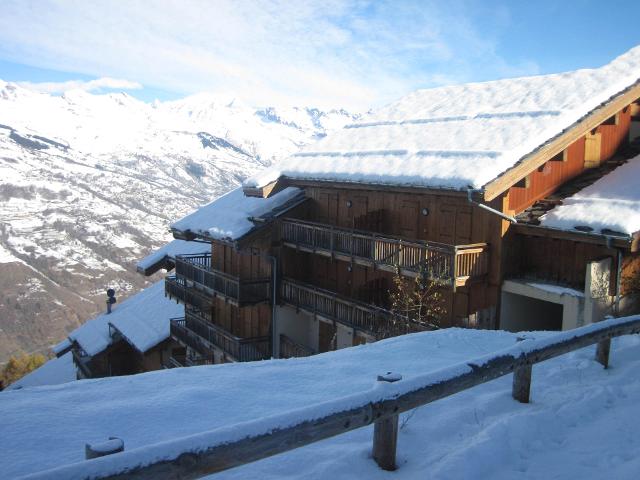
x,y
440,262
196,270
172,362
199,360
373,320
176,288
196,333
290,348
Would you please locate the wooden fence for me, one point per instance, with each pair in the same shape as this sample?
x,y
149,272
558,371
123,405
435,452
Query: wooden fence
x,y
228,447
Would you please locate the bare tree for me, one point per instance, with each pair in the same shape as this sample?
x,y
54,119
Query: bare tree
x,y
417,302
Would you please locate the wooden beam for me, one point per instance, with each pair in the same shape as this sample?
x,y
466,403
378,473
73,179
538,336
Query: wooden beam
x,y
294,182
522,383
267,190
533,160
591,238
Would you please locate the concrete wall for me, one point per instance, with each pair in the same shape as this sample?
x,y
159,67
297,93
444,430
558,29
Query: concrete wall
x,y
525,306
300,327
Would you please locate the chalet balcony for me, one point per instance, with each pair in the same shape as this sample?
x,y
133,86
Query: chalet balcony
x,y
373,320
290,348
450,264
176,288
195,332
196,273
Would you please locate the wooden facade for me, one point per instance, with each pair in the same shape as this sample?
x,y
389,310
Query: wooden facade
x,y
337,252
120,358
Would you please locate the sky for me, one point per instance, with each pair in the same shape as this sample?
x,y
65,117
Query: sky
x,y
354,54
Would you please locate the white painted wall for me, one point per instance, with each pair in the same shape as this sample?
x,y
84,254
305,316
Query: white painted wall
x,y
527,307
300,327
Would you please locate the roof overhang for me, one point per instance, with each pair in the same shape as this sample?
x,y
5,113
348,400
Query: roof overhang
x,y
259,224
165,262
557,144
610,241
381,187
267,190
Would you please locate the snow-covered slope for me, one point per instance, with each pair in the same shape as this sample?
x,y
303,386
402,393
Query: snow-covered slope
x,y
582,422
90,183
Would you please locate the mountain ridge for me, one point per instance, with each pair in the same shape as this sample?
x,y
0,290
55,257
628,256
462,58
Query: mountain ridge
x,y
90,183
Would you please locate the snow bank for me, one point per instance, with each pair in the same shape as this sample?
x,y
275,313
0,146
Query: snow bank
x,y
611,203
143,319
457,136
229,217
55,371
481,433
169,251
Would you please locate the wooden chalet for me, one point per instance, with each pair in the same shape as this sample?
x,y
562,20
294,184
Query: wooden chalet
x,y
460,182
134,338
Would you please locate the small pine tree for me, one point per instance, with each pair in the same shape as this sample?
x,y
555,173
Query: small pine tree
x,y
18,366
417,301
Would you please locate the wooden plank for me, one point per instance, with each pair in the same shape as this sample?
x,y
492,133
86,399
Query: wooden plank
x,y
539,156
589,238
592,149
602,352
522,383
385,434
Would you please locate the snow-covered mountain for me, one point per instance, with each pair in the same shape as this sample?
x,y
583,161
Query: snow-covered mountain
x,y
89,183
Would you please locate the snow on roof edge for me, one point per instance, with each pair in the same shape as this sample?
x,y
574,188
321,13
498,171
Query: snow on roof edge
x,y
230,217
159,258
600,85
566,129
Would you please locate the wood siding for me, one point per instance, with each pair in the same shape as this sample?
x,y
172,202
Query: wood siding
x,y
245,322
249,263
445,218
551,259
449,218
596,146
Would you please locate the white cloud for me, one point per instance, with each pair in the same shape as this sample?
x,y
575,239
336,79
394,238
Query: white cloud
x,y
98,84
329,52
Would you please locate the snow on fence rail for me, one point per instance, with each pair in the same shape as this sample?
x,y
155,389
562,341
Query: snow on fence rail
x,y
224,448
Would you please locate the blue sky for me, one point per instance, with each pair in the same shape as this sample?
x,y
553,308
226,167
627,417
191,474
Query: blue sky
x,y
353,54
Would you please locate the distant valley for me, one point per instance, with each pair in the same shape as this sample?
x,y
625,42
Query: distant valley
x,y
90,183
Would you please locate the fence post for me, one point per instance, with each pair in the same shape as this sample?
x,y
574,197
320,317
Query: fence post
x,y
602,352
522,383
385,434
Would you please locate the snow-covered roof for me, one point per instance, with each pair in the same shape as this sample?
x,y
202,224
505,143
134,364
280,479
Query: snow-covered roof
x,y
162,257
62,346
458,136
47,429
229,217
143,319
612,204
53,372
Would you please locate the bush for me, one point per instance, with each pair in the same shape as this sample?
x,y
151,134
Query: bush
x,y
18,366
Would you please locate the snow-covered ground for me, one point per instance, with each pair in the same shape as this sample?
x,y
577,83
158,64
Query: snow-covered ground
x,y
582,422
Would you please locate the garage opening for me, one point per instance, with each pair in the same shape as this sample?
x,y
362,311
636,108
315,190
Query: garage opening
x,y
522,313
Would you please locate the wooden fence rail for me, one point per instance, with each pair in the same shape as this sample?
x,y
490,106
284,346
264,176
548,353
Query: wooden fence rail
x,y
214,451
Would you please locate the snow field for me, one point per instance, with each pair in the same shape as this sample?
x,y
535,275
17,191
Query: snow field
x,y
580,424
